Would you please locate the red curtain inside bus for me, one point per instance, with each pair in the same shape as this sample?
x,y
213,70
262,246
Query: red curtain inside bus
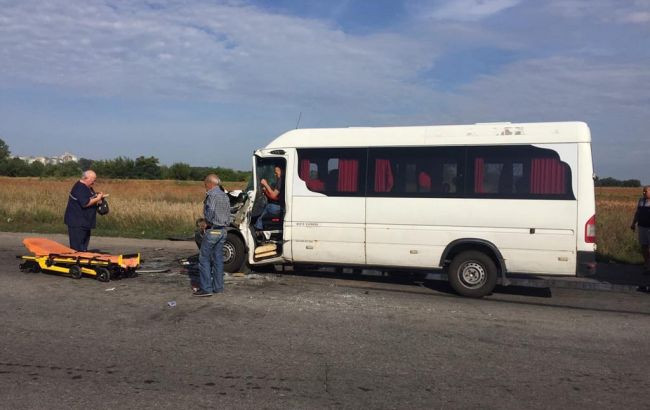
x,y
478,175
348,175
383,176
304,174
424,182
547,176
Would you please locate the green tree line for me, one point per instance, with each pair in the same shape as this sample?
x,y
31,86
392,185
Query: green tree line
x,y
118,168
631,183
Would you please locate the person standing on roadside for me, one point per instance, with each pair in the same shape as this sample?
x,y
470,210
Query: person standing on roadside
x,y
81,212
216,212
641,222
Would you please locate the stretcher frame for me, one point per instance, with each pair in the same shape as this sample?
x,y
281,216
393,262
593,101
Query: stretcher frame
x,y
102,267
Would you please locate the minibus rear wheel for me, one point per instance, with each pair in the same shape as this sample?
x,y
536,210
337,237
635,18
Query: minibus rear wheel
x,y
472,274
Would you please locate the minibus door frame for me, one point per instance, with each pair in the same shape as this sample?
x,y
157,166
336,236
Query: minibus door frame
x,y
249,233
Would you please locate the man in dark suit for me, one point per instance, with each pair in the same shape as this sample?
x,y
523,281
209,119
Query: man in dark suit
x,y
81,212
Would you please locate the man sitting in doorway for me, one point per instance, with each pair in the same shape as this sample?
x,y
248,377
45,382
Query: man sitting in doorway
x,y
275,195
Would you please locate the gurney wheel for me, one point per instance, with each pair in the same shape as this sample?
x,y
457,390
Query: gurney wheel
x,y
103,275
30,266
75,271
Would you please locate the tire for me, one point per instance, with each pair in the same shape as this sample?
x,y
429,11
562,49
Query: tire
x,y
75,272
234,253
117,272
103,275
30,267
472,274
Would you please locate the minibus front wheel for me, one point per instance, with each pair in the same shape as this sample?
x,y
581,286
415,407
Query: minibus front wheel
x,y
472,274
234,253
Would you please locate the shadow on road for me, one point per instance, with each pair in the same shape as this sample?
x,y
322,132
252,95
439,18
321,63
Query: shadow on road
x,y
409,279
414,283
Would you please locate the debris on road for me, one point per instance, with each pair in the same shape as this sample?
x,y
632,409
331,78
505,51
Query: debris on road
x,y
161,270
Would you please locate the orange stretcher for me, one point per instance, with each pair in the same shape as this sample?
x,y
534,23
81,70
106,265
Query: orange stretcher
x,y
51,256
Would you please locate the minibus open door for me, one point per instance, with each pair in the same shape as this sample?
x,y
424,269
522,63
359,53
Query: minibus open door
x,y
266,246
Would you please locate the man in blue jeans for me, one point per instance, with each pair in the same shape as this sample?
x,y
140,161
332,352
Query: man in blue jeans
x,y
275,195
216,212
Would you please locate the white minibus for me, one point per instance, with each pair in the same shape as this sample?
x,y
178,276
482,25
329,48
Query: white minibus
x,y
476,201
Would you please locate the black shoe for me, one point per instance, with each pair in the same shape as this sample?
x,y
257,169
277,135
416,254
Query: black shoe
x,y
201,293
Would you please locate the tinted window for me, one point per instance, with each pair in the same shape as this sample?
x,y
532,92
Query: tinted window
x,y
416,171
518,172
333,172
515,171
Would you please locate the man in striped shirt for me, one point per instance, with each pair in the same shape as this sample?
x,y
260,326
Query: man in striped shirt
x,y
216,212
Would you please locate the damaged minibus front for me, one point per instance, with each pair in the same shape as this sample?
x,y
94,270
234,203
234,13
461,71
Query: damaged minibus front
x,y
244,244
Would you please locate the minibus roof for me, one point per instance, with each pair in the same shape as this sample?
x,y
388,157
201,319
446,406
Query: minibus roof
x,y
476,134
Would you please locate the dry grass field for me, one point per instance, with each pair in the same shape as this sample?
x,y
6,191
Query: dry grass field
x,y
160,209
614,211
139,208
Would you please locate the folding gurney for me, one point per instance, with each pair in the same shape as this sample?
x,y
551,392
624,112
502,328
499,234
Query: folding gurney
x,y
51,256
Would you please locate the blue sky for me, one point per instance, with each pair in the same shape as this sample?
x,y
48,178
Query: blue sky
x,y
207,82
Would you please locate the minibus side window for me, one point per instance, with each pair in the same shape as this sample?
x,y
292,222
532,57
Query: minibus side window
x,y
416,172
333,172
519,172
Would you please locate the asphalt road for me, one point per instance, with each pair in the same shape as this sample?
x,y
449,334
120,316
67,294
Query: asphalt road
x,y
308,341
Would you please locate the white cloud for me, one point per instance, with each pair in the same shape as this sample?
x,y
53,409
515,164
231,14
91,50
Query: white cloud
x,y
628,11
556,81
468,10
214,52
637,17
269,66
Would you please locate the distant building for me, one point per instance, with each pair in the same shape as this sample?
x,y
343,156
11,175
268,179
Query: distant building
x,y
65,157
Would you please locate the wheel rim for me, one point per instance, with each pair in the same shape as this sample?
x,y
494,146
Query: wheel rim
x,y
228,252
472,274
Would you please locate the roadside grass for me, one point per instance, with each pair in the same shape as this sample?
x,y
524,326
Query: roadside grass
x,y
162,209
615,209
138,208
